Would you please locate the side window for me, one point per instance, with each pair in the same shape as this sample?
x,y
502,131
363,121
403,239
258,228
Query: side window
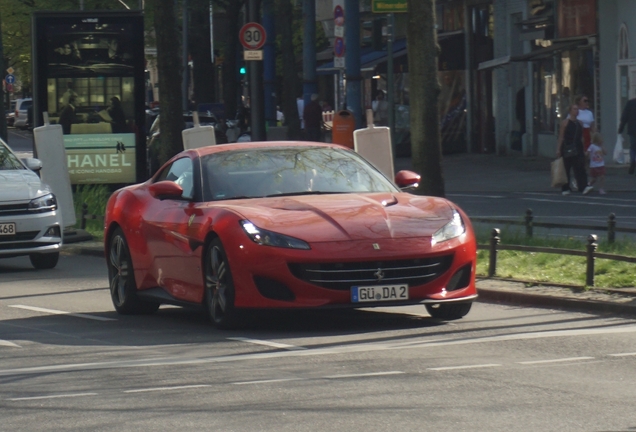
x,y
180,172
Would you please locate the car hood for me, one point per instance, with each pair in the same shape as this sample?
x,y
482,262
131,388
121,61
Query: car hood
x,y
20,185
338,217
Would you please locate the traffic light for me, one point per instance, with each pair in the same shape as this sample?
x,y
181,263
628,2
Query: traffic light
x,y
242,70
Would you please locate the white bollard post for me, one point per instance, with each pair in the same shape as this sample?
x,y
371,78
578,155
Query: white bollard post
x,y
49,142
374,144
199,136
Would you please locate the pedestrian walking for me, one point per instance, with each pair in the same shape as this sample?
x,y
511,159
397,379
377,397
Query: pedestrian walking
x,y
312,115
629,118
586,117
597,153
380,109
570,147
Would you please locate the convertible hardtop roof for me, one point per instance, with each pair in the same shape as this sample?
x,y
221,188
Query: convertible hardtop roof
x,y
260,144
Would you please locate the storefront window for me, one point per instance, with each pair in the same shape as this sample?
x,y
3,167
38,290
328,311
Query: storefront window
x,y
546,97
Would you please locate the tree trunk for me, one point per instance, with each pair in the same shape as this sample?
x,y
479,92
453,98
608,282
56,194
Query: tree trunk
x,y
285,16
424,96
230,72
203,72
169,69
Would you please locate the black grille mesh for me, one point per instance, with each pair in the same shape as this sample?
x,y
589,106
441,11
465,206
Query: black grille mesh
x,y
343,276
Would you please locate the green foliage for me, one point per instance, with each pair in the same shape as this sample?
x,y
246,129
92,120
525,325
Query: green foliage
x,y
557,268
96,198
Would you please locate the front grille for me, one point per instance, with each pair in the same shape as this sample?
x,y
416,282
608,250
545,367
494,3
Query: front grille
x,y
14,209
21,236
342,276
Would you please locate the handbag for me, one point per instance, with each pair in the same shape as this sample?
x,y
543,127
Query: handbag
x,y
559,177
569,149
619,154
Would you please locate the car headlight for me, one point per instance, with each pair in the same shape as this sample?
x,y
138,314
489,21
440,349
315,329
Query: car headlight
x,y
43,204
453,229
270,238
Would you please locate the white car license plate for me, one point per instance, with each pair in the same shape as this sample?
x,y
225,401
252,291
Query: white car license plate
x,y
7,229
378,293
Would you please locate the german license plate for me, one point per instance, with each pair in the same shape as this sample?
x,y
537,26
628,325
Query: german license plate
x,y
7,229
378,293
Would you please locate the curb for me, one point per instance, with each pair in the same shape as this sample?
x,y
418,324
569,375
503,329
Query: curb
x,y
81,250
580,305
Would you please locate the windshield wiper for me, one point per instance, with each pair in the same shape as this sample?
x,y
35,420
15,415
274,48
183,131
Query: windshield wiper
x,y
303,193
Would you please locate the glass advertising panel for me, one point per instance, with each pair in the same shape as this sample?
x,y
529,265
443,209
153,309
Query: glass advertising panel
x,y
89,75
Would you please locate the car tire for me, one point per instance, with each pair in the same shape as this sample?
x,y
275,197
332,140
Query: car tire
x,y
219,288
44,261
121,278
448,311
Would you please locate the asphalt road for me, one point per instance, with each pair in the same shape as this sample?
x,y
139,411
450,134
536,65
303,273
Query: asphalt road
x,y
70,363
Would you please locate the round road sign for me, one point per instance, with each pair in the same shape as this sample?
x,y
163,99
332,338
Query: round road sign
x,y
252,36
10,79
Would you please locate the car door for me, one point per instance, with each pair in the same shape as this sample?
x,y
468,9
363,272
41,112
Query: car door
x,y
166,225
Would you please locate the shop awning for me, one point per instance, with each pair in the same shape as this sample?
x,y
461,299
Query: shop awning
x,y
539,54
368,59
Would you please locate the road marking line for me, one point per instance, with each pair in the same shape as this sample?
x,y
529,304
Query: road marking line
x,y
362,375
362,347
267,381
463,367
477,196
59,312
267,343
167,388
555,360
568,202
623,354
9,344
53,396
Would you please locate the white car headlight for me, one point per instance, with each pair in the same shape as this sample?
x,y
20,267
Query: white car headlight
x,y
453,229
270,238
43,204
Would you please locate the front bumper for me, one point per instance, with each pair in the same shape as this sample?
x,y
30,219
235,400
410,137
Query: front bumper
x,y
35,233
251,264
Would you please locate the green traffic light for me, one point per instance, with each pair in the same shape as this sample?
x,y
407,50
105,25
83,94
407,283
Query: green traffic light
x,y
242,71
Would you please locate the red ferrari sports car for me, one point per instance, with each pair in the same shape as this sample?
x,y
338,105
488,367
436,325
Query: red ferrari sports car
x,y
282,225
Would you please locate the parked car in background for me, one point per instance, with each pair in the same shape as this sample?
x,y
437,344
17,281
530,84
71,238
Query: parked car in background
x,y
10,113
22,107
285,225
30,221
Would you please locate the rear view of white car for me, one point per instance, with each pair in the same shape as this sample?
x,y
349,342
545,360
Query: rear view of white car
x,y
30,221
21,118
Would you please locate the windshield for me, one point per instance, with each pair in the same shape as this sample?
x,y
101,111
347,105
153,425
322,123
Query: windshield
x,y
8,161
278,171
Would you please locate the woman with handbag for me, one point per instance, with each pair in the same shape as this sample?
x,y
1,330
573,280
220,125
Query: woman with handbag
x,y
570,147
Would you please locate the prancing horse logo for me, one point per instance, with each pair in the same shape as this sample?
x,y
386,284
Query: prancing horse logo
x,y
379,275
376,246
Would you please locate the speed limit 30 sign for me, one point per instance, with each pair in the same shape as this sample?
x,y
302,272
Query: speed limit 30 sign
x,y
252,36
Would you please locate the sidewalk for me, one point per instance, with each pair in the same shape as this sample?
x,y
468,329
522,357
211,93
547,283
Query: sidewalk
x,y
512,173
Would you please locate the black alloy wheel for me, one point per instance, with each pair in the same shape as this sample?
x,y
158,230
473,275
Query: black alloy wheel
x,y
121,277
44,261
448,311
219,287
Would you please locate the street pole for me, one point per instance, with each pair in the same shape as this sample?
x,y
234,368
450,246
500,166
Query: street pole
x,y
255,73
3,67
390,76
184,82
309,50
352,60
269,62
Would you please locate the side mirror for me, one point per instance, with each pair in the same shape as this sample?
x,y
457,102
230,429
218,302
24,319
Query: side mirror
x,y
33,164
407,180
165,190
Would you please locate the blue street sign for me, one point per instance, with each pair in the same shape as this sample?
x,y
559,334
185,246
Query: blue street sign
x,y
10,79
